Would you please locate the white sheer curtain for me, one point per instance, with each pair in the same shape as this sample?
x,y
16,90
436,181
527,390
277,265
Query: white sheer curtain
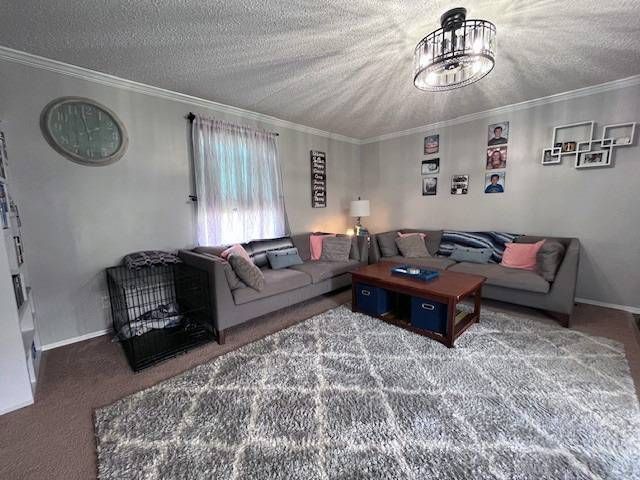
x,y
238,183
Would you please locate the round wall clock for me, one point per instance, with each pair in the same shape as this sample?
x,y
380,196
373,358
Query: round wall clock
x,y
84,131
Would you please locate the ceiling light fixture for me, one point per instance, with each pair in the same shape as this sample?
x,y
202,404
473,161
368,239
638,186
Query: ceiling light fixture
x,y
458,54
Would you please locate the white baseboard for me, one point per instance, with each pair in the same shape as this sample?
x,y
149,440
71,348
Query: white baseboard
x,y
69,341
626,308
16,407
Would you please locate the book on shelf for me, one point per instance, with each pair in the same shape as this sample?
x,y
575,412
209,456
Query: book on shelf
x,y
18,290
4,206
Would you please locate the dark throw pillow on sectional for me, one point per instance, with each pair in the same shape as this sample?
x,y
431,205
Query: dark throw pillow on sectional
x,y
247,271
387,244
284,258
549,259
412,246
232,279
335,249
471,255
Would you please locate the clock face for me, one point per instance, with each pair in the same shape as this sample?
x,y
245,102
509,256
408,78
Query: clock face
x,y
84,131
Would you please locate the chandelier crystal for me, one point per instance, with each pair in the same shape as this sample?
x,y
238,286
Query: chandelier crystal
x,y
458,54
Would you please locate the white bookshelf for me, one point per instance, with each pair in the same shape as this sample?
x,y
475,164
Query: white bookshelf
x,y
20,349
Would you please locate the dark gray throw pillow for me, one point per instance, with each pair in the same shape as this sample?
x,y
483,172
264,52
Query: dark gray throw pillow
x,y
412,246
284,258
387,244
549,259
248,272
471,255
335,249
232,279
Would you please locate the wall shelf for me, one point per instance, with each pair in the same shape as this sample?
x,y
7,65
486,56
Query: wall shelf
x,y
576,141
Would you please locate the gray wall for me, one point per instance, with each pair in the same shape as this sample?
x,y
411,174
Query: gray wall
x,y
601,207
77,220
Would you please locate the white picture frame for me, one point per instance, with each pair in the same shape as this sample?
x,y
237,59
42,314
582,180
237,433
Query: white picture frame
x,y
593,159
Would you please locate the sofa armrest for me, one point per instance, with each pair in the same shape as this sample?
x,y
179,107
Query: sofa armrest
x,y
221,298
563,288
374,250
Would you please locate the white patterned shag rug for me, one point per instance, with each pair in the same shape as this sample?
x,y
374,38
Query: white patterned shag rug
x,y
346,396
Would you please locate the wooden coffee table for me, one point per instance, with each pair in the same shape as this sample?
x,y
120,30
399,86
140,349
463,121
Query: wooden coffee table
x,y
450,288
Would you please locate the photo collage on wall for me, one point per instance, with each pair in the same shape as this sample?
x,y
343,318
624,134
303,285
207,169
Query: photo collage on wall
x,y
430,167
496,157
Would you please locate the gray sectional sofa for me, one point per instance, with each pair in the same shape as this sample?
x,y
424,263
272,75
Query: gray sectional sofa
x,y
285,287
522,287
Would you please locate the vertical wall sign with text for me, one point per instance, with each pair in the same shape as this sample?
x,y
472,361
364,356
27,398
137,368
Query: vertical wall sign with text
x,y
318,179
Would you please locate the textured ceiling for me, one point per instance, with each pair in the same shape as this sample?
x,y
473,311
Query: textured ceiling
x,y
341,66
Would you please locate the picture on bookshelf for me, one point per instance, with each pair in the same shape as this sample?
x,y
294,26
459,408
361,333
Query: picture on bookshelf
x,y
17,289
4,206
17,243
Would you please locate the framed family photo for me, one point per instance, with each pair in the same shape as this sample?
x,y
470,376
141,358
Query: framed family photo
x,y
431,144
494,182
498,134
496,158
599,158
429,186
459,184
430,166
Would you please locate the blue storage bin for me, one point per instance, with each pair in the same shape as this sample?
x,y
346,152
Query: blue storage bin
x,y
372,300
429,315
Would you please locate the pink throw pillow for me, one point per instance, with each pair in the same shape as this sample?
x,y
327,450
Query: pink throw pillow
x,y
315,242
521,255
412,233
238,250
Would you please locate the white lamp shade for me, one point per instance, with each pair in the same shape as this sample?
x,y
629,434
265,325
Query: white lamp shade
x,y
359,208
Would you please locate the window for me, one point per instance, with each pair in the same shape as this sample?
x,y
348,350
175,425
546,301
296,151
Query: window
x,y
238,183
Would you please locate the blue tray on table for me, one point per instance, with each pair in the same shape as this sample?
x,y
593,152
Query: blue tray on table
x,y
424,275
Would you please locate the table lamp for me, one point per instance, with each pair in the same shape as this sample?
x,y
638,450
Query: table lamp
x,y
359,208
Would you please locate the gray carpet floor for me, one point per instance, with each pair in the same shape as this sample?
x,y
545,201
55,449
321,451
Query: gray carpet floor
x,y
346,396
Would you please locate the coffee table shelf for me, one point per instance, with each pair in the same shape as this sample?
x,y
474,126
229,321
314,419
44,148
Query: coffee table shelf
x,y
450,288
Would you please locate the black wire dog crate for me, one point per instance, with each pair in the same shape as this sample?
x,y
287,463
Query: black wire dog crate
x,y
159,311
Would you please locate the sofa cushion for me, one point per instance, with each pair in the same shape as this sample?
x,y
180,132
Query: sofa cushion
x,y
438,263
335,249
257,249
412,246
319,271
233,279
549,257
247,271
387,244
275,282
493,240
432,238
471,255
500,276
279,259
521,255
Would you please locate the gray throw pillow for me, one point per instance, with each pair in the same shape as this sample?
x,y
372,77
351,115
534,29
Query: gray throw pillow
x,y
232,279
284,258
472,255
387,244
412,246
248,272
549,259
335,249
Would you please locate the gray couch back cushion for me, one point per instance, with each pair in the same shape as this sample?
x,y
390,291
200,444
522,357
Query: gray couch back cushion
x,y
387,244
412,246
336,249
432,238
257,249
